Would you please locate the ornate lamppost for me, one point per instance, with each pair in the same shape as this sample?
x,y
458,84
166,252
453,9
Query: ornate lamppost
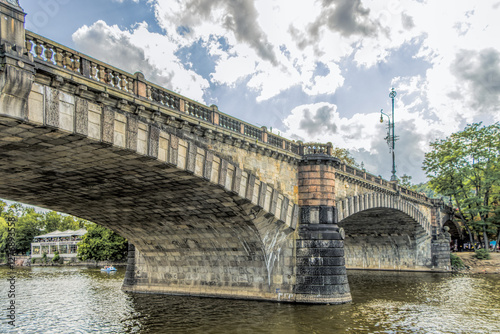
x,y
391,137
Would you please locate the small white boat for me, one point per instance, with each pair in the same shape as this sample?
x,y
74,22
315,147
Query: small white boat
x,y
108,268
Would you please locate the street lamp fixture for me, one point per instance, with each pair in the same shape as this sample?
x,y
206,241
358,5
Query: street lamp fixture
x,y
391,137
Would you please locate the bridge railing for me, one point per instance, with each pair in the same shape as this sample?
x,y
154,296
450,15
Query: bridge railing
x,y
316,148
378,180
54,54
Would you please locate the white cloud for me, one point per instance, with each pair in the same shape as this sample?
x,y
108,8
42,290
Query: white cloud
x,y
140,50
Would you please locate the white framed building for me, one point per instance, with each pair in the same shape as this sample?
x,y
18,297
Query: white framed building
x,y
65,242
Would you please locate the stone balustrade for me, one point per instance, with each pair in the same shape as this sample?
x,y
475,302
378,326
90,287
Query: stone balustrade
x,y
360,175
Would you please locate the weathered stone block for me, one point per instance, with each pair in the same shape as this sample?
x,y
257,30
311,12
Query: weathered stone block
x,y
51,107
81,116
154,139
108,125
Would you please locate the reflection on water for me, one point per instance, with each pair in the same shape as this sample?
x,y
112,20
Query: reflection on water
x,y
81,300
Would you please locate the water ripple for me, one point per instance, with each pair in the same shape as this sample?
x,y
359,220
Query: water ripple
x,y
85,300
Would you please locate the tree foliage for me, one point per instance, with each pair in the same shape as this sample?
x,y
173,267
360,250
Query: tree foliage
x,y
102,244
466,167
405,181
421,188
30,223
345,156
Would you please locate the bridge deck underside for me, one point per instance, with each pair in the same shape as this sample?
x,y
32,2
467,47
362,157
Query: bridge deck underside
x,y
193,236
384,238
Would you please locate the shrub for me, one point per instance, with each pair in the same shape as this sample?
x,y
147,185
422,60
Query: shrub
x,y
44,257
456,262
56,257
482,254
33,260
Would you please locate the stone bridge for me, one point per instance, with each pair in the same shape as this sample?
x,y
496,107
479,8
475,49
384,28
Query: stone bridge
x,y
211,205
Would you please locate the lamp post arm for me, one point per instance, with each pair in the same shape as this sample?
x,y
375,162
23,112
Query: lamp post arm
x,y
383,113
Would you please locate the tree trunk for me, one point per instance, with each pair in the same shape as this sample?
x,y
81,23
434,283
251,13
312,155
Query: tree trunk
x,y
485,237
471,237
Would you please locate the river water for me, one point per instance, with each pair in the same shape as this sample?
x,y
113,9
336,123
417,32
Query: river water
x,y
84,300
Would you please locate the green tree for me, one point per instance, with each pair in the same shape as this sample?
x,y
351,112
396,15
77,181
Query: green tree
x,y
466,167
405,181
55,221
51,221
4,231
345,156
102,244
28,225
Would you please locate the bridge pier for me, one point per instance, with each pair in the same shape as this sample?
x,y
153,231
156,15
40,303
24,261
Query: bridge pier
x,y
440,249
321,275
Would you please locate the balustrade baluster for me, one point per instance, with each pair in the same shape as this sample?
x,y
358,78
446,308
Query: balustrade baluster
x,y
58,57
123,83
67,60
102,74
93,71
76,63
115,79
154,94
168,100
108,78
39,48
48,52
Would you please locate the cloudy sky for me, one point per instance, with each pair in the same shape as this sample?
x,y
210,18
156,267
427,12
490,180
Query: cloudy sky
x,y
312,70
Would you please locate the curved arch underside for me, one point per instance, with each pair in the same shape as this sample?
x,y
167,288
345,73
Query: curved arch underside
x,y
193,236
385,238
455,230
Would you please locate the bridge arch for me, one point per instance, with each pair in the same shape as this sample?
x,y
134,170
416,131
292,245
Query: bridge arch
x,y
384,231
351,205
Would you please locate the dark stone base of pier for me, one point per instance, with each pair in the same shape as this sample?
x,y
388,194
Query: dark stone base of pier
x,y
321,273
441,254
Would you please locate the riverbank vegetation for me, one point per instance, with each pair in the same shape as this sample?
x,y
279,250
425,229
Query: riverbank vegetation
x,y
99,244
466,167
102,244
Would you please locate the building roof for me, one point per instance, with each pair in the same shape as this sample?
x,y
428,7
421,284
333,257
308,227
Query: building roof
x,y
67,233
